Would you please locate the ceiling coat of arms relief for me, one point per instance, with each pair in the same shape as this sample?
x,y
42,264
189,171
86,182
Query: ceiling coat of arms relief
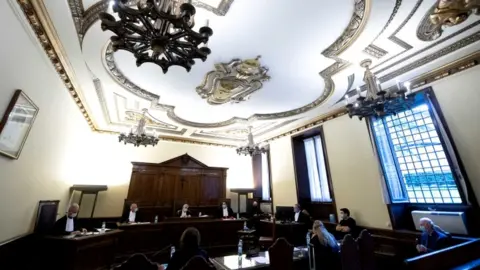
x,y
233,82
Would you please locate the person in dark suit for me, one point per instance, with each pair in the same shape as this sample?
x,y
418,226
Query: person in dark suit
x,y
226,211
184,212
299,215
433,238
132,215
68,224
189,247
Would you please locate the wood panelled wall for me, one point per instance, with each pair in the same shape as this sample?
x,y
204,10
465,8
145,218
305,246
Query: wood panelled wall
x,y
176,181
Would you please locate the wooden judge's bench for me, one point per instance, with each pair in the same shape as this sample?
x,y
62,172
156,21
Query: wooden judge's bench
x,y
161,189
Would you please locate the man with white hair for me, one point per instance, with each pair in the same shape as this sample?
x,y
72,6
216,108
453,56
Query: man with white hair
x,y
432,239
132,216
68,223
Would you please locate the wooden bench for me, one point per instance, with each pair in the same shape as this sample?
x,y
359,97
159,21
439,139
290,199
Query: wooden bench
x,y
454,256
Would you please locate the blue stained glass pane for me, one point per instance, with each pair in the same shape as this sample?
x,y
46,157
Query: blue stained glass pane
x,y
415,149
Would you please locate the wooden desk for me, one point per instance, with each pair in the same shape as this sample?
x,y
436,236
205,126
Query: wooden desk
x,y
153,237
262,261
81,252
295,233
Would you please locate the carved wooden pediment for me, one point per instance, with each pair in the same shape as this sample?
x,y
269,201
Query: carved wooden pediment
x,y
184,160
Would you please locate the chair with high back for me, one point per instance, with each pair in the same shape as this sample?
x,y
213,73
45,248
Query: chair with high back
x,y
349,254
198,263
281,254
366,250
266,241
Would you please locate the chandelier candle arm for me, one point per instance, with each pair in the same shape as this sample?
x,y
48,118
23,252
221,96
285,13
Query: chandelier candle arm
x,y
158,31
378,102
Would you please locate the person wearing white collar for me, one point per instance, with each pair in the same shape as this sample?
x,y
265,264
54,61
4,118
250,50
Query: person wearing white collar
x,y
227,212
184,213
68,223
132,216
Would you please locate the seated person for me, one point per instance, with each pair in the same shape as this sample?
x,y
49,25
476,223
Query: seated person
x,y
226,211
184,212
189,247
68,224
325,246
432,237
299,215
255,211
132,216
347,224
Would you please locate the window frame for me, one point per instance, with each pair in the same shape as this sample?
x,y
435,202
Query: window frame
x,y
299,165
432,104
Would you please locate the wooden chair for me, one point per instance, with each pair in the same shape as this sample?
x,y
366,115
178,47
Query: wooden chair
x,y
137,261
266,241
349,254
281,254
198,263
366,250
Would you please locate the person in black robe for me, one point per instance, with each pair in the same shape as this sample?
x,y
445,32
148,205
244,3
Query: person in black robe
x,y
184,212
133,215
68,224
226,211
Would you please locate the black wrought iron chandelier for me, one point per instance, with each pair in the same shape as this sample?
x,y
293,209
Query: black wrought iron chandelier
x,y
378,102
158,31
138,136
251,148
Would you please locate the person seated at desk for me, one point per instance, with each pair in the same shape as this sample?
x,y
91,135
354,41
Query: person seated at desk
x,y
347,224
255,211
299,215
184,212
325,247
189,247
68,223
433,238
133,215
226,211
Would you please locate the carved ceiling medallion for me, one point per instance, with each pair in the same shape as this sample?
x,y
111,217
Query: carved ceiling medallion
x,y
233,82
446,13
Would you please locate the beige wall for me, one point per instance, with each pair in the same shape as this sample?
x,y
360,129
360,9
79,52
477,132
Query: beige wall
x,y
62,151
354,171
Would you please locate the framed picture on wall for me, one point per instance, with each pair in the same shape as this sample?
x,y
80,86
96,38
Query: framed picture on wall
x,y
16,124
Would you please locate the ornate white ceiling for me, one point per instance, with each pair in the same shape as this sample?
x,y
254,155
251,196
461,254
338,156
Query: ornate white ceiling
x,y
309,52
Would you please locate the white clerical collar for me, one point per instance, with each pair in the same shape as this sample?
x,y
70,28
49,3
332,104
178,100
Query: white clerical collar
x,y
69,226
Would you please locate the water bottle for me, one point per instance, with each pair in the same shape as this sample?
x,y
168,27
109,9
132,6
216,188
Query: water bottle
x,y
156,219
245,228
308,239
103,227
332,218
172,251
238,216
199,214
240,248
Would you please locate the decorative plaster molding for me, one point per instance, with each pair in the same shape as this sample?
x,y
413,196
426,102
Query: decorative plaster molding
x,y
36,15
393,37
442,72
445,13
432,45
233,82
375,51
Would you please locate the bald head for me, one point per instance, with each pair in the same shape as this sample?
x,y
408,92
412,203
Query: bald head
x,y
73,210
255,203
427,224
